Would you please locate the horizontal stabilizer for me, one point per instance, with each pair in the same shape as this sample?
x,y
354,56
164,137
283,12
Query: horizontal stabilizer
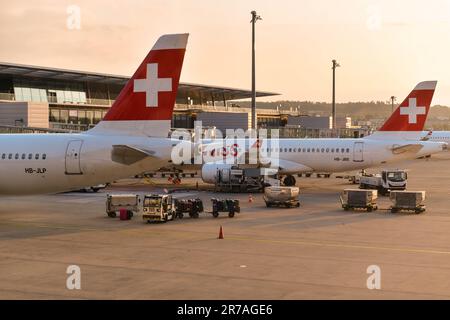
x,y
129,154
414,148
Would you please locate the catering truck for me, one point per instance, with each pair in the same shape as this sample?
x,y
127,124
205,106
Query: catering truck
x,y
388,180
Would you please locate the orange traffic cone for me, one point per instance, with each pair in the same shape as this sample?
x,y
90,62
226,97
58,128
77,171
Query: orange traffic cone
x,y
250,198
220,233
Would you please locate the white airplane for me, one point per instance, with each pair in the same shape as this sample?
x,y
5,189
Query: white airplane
x,y
437,136
398,139
131,139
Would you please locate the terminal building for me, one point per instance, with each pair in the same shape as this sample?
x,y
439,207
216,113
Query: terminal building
x,y
59,99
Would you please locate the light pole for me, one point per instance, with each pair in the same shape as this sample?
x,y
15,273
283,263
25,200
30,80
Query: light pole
x,y
333,111
393,102
255,18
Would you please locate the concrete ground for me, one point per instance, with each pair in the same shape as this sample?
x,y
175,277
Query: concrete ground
x,y
317,251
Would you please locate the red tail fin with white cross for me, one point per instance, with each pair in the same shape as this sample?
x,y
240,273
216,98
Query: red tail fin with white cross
x,y
408,120
145,105
413,111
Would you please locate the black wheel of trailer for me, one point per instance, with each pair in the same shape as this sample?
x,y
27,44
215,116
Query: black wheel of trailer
x,y
369,209
268,205
231,214
180,215
297,204
215,214
129,214
195,215
112,214
394,210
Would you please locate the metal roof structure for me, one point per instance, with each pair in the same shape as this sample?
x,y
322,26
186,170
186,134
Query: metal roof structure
x,y
184,89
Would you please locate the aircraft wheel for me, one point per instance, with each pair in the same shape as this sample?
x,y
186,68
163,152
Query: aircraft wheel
x,y
289,181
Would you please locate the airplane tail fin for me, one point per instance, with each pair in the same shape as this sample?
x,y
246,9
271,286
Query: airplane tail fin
x,y
145,105
408,120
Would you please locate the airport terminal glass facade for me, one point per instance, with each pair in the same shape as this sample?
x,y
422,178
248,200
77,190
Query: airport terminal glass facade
x,y
82,99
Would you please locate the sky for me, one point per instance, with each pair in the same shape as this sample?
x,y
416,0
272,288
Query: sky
x,y
384,47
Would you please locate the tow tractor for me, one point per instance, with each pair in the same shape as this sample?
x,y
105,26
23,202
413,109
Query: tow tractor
x,y
388,180
158,207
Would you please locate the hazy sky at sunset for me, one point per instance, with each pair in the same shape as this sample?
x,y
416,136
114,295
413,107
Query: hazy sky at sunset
x,y
384,47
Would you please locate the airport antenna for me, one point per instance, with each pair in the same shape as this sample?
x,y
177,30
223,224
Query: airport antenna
x,y
333,110
255,17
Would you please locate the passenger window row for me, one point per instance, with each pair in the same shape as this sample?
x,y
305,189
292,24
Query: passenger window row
x,y
310,150
23,156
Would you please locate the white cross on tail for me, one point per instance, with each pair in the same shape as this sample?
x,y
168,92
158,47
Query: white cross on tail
x,y
412,111
152,85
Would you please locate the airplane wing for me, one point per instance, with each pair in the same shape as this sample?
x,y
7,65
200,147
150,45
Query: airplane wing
x,y
128,155
285,166
413,147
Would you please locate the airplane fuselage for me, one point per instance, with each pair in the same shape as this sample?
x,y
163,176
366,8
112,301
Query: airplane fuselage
x,y
49,163
330,155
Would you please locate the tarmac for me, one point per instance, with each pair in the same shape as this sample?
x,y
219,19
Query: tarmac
x,y
317,251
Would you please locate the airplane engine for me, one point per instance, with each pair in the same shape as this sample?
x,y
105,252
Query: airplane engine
x,y
210,171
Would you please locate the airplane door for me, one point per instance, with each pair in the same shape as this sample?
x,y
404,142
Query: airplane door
x,y
73,157
358,152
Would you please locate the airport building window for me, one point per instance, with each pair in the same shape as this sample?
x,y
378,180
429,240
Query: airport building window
x,y
73,116
82,117
90,116
64,116
54,115
30,94
97,117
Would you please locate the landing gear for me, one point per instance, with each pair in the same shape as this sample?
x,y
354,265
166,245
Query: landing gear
x,y
289,181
